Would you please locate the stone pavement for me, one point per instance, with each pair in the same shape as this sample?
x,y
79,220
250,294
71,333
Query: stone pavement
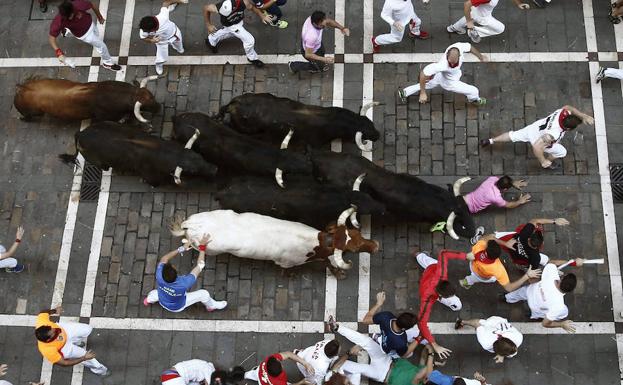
x,y
437,141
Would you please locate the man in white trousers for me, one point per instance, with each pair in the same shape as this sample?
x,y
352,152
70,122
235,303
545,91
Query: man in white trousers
x,y
172,291
161,31
446,73
63,343
608,73
478,21
231,13
398,14
7,262
73,19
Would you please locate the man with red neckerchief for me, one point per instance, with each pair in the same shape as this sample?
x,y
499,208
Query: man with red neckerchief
x,y
270,371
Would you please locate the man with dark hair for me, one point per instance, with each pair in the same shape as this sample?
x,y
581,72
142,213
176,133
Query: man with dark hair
x,y
273,9
525,243
434,286
545,134
270,371
546,297
320,356
398,14
487,267
490,192
231,13
312,48
446,73
63,343
161,31
172,291
74,19
398,335
495,335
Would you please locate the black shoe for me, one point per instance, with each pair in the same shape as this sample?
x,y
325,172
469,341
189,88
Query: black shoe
x,y
112,67
258,63
213,48
614,19
458,324
484,142
540,3
502,298
43,6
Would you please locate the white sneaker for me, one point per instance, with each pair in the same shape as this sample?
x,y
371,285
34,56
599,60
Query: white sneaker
x,y
160,68
218,305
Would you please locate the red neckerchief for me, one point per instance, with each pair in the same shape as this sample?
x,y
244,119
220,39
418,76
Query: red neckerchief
x,y
483,257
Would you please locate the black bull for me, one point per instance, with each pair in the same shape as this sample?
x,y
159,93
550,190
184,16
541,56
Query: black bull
x,y
237,154
303,200
270,118
129,149
404,196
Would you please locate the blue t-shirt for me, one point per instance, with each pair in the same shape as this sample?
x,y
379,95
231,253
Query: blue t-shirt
x,y
391,341
438,378
172,296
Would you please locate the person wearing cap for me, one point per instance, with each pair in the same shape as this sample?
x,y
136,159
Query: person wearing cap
x,y
63,343
496,335
161,31
435,287
231,13
73,19
312,48
273,9
200,372
172,292
7,262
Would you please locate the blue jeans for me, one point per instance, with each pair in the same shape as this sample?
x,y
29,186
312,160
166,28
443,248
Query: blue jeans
x,y
275,10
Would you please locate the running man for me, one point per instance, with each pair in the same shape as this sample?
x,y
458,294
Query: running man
x,y
545,134
73,19
273,9
478,21
161,31
446,73
495,335
63,343
398,14
172,292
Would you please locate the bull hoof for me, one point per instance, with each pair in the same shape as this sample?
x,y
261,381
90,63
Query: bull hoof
x,y
337,273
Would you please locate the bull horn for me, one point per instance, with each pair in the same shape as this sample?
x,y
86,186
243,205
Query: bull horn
x,y
337,260
353,220
137,113
177,174
457,185
341,220
192,140
279,177
358,181
286,140
450,226
144,81
363,145
366,107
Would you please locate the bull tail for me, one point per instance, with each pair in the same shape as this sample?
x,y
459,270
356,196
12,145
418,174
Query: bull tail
x,y
175,226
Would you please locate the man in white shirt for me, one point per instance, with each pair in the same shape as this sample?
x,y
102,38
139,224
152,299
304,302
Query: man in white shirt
x,y
162,32
199,372
478,21
320,356
495,335
546,297
398,14
545,134
446,73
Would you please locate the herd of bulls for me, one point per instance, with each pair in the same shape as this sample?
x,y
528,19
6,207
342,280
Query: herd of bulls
x,y
244,151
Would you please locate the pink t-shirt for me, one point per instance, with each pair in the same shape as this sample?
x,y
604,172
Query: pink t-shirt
x,y
485,195
311,36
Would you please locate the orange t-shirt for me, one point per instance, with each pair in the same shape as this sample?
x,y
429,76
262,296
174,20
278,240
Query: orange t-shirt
x,y
485,267
51,350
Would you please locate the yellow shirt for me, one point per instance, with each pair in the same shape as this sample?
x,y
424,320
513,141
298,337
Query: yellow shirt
x,y
51,350
487,269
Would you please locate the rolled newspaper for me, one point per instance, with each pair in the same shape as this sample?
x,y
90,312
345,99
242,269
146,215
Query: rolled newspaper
x,y
586,262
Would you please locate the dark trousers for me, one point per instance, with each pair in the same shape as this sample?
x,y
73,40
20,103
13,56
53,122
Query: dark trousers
x,y
275,10
309,65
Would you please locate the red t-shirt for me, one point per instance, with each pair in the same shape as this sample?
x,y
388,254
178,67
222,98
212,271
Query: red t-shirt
x,y
78,25
265,379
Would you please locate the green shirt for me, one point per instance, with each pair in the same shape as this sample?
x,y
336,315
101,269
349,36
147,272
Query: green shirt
x,y
403,372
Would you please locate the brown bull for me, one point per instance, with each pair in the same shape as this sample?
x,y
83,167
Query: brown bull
x,y
68,100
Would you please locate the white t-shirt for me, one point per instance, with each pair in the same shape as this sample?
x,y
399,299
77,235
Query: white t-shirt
x,y
484,10
397,10
166,28
496,327
315,356
195,370
442,65
3,382
544,298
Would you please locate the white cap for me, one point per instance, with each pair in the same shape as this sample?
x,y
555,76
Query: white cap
x,y
226,8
